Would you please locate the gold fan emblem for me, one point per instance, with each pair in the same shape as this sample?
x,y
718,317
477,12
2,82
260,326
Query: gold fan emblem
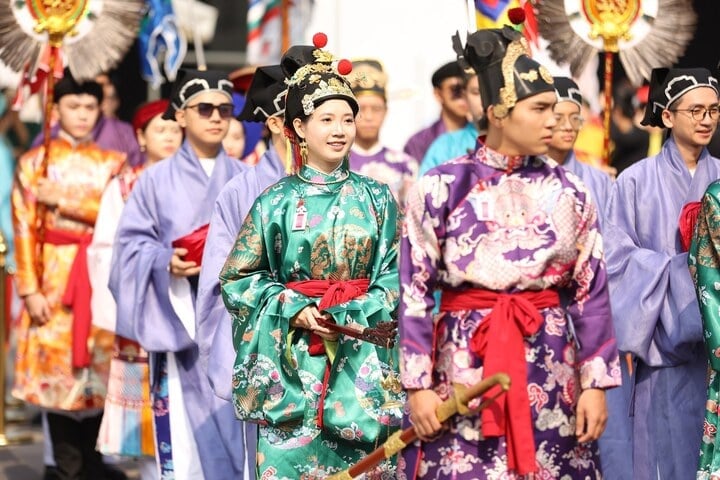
x,y
611,20
57,17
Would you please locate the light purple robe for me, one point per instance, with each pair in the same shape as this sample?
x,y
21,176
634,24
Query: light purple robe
x,y
214,327
171,199
418,144
508,225
656,314
597,181
397,170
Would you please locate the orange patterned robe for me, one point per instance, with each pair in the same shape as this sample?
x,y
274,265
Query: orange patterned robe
x,y
44,374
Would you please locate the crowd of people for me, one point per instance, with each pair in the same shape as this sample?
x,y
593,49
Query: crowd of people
x,y
245,285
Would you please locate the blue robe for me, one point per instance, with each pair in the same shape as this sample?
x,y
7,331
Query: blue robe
x,y
656,315
214,332
449,145
171,199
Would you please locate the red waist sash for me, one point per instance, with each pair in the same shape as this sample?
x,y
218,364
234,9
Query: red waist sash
x,y
498,340
77,293
331,293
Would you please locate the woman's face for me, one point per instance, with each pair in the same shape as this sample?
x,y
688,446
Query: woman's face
x,y
160,139
329,132
234,141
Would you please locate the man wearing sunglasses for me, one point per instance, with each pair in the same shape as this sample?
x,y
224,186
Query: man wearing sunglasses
x,y
160,239
655,311
449,89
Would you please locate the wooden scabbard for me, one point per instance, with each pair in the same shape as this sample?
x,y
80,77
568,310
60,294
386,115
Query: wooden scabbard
x,y
458,403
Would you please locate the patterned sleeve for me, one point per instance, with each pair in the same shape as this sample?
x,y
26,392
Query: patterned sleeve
x,y
24,210
704,263
589,309
419,257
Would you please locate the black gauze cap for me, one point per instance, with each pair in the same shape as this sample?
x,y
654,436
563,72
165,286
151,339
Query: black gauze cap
x,y
667,85
266,95
567,90
507,74
67,85
190,83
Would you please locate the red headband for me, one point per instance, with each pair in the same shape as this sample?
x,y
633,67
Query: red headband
x,y
147,112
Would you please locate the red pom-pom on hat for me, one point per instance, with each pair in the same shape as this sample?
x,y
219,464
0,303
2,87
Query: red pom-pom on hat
x,y
344,67
516,15
319,40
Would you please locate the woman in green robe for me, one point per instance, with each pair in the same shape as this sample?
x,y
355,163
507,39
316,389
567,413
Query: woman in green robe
x,y
704,262
318,246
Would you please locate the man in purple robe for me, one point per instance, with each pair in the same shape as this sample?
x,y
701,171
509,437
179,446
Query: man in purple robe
x,y
512,240
449,90
265,103
654,304
368,156
154,282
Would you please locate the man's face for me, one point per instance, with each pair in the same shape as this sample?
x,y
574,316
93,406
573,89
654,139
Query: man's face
x,y
78,114
201,128
569,121
451,94
370,117
528,129
690,117
474,100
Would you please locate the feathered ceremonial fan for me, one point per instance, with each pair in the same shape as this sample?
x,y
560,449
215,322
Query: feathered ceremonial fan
x,y
38,36
646,33
93,35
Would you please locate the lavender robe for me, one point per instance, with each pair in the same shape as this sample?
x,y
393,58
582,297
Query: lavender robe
x,y
656,314
597,181
109,134
214,332
171,199
418,144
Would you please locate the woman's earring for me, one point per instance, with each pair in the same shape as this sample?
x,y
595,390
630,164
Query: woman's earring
x,y
303,152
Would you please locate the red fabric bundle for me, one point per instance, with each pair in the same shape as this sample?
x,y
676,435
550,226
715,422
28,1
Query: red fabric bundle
x,y
686,224
194,242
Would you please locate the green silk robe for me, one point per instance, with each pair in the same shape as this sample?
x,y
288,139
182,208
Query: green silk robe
x,y
314,226
704,262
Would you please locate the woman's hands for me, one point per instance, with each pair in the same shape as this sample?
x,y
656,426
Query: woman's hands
x,y
308,317
38,308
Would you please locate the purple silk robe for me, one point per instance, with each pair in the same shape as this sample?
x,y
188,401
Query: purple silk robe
x,y
418,144
109,134
508,225
397,170
171,199
214,327
656,315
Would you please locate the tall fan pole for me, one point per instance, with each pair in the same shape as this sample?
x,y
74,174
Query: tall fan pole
x,y
285,19
608,105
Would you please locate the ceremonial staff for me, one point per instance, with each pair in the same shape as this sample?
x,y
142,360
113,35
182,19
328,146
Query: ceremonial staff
x,y
458,403
37,36
646,35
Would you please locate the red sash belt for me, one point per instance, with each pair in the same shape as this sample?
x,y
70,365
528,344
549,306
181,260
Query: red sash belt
x,y
499,342
77,293
331,293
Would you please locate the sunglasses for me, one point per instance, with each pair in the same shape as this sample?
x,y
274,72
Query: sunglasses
x,y
205,110
457,91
